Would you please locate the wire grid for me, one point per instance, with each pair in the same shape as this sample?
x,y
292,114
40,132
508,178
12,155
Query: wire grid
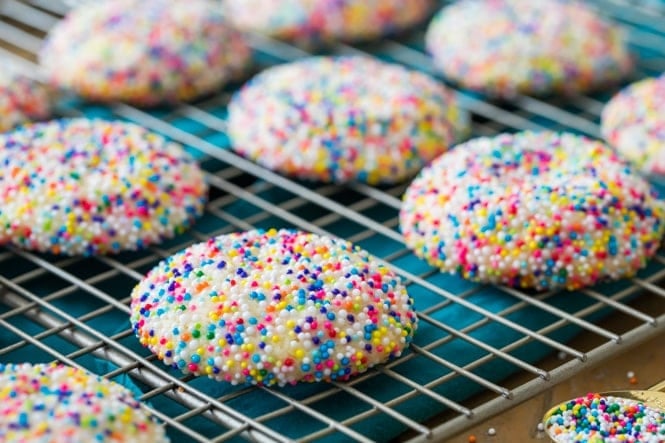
x,y
68,309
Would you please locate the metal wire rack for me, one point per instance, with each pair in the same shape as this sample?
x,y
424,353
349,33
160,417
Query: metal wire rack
x,y
472,337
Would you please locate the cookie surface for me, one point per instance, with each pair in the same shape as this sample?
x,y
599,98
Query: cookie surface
x,y
275,307
540,210
525,46
143,52
78,186
21,99
45,403
339,119
633,122
313,21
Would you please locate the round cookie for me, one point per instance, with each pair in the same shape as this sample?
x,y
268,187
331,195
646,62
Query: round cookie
x,y
21,99
78,186
598,418
275,307
143,52
338,119
315,21
57,403
539,210
633,122
504,47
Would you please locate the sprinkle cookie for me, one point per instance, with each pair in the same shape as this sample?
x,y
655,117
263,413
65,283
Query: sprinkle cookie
x,y
143,52
273,308
316,21
597,418
92,187
539,210
343,119
633,122
55,403
526,46
21,99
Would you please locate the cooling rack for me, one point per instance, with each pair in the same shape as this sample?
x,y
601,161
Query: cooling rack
x,y
472,338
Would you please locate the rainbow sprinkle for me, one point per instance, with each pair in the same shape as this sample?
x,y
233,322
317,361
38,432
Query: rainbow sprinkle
x,y
143,52
529,46
316,21
21,100
344,118
598,419
541,210
273,308
78,186
56,403
633,122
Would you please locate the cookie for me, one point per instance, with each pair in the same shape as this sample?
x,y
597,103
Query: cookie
x,y
143,52
78,186
504,47
21,99
52,402
273,308
317,21
600,418
532,210
340,119
633,122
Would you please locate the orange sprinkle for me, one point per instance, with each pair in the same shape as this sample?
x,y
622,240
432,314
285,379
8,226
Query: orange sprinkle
x,y
201,286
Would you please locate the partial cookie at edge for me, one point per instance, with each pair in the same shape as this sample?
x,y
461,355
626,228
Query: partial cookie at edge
x,y
320,21
52,402
21,100
633,122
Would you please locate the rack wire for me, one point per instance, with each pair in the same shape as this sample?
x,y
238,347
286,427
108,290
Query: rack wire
x,y
473,339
